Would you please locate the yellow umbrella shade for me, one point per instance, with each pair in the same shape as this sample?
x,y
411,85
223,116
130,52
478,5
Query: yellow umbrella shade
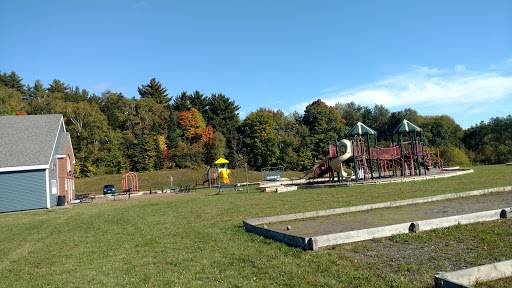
x,y
221,161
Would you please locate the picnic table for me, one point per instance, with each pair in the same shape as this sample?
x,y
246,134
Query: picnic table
x,y
85,197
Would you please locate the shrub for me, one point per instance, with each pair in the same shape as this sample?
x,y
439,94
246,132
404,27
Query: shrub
x,y
454,156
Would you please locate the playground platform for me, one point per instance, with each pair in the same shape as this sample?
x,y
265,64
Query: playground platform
x,y
434,174
326,183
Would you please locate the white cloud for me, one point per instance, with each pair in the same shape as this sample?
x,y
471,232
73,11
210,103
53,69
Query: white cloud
x,y
427,87
459,68
100,87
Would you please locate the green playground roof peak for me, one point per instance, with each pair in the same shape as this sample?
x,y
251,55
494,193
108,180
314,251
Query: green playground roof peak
x,y
406,126
361,129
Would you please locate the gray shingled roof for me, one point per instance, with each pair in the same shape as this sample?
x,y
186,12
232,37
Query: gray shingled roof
x,y
27,140
63,143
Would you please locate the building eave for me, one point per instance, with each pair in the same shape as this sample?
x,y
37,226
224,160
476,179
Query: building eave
x,y
23,168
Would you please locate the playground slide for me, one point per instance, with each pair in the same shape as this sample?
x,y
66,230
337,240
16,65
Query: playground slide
x,y
337,163
322,170
320,167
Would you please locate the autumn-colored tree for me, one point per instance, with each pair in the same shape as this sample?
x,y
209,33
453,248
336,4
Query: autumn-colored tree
x,y
164,151
207,135
193,124
214,147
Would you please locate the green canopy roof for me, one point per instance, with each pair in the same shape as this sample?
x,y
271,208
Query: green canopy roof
x,y
361,129
406,126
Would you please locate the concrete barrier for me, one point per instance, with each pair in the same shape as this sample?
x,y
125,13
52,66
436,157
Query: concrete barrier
x,y
291,240
327,212
358,235
286,189
278,189
269,189
474,275
425,225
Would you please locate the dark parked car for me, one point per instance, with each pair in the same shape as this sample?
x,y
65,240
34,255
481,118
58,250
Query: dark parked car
x,y
109,189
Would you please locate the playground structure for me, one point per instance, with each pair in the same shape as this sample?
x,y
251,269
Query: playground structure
x,y
130,182
407,155
218,175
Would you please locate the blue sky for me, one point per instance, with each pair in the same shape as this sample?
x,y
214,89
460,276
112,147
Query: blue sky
x,y
451,57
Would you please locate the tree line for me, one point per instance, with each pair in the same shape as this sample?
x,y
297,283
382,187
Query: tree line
x,y
112,133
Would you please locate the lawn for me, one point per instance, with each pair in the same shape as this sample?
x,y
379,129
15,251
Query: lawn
x,y
161,179
197,240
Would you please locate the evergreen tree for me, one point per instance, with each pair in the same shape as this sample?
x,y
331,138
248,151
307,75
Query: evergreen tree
x,y
37,91
76,95
222,113
199,102
3,79
223,116
154,90
182,102
15,82
58,86
185,101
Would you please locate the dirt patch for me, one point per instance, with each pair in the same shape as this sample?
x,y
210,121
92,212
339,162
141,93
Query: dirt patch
x,y
310,227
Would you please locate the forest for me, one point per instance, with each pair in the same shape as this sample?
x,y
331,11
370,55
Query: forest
x,y
112,133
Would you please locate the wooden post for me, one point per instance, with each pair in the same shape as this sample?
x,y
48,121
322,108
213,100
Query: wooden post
x,y
416,154
423,153
378,159
246,179
356,169
369,154
402,169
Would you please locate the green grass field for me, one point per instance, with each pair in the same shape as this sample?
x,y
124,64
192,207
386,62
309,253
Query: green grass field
x,y
160,179
197,240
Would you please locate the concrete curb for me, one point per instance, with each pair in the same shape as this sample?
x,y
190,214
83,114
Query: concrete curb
x,y
304,215
291,240
403,228
471,276
359,235
451,173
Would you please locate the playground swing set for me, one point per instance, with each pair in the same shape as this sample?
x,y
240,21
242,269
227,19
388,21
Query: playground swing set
x,y
407,155
130,182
